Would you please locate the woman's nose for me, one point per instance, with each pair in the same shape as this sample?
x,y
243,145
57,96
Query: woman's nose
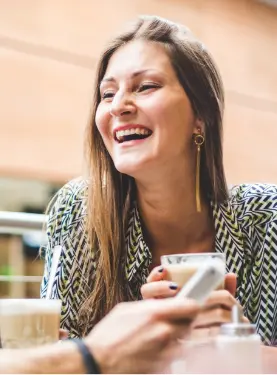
x,y
122,105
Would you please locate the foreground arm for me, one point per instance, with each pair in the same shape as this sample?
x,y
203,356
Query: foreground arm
x,y
135,337
59,359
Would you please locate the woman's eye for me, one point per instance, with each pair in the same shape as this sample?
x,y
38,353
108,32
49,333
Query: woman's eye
x,y
107,95
147,86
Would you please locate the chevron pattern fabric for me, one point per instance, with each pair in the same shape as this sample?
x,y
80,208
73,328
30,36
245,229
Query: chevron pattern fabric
x,y
245,230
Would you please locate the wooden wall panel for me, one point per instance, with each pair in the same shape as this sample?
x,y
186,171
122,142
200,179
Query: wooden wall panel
x,y
250,145
44,109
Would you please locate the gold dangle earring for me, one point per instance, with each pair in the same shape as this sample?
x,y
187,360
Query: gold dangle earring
x,y
198,140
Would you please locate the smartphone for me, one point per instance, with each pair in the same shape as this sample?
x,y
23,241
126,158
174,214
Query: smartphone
x,y
204,281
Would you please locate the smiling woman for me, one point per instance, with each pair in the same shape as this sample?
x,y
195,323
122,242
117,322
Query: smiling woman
x,y
157,186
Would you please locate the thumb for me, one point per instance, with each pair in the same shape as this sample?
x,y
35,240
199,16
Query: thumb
x,y
230,283
63,334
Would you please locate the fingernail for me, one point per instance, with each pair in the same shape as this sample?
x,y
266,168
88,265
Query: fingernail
x,y
173,286
160,269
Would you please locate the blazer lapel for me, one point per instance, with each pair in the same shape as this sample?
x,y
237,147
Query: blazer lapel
x,y
139,256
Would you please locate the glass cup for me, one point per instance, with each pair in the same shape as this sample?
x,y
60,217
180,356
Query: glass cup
x,y
26,323
181,267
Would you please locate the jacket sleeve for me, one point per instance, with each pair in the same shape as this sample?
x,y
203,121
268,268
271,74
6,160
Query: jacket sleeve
x,y
65,228
258,204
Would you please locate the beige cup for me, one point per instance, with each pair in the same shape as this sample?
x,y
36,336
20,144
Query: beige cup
x,y
26,323
181,267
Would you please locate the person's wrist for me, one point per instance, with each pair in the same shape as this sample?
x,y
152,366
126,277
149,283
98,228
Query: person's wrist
x,y
72,358
105,354
89,361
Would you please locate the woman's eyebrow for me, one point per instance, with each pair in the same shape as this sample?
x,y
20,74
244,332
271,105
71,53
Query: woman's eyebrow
x,y
133,75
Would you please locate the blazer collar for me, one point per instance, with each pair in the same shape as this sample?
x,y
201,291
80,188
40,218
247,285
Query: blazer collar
x,y
139,256
228,240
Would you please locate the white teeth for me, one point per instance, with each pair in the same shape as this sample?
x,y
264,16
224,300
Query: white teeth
x,y
121,133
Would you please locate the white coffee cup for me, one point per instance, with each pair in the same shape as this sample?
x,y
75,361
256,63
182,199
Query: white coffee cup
x,y
29,322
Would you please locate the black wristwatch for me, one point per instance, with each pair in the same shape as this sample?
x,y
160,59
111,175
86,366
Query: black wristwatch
x,y
88,359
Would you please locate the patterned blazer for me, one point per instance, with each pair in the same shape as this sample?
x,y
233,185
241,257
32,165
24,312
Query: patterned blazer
x,y
245,230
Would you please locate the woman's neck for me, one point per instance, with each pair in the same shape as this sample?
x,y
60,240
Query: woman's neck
x,y
170,221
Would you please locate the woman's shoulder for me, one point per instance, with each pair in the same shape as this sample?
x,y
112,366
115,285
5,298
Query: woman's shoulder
x,y
67,208
72,193
252,191
254,197
74,190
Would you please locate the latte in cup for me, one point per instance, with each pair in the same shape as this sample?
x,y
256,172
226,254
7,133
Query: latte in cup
x,y
181,267
26,323
181,273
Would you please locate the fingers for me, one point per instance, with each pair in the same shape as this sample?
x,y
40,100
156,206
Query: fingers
x,y
63,334
159,289
213,317
221,298
173,310
230,283
179,311
217,309
169,333
157,274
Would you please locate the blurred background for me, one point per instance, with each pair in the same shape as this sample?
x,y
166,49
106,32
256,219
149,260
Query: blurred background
x,y
48,55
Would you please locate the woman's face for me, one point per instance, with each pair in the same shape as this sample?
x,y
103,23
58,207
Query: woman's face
x,y
144,117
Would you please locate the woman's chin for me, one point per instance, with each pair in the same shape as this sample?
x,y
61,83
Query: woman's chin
x,y
130,169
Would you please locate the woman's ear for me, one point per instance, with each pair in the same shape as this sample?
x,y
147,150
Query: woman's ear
x,y
199,127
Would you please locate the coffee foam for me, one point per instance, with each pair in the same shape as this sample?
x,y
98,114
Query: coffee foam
x,y
29,306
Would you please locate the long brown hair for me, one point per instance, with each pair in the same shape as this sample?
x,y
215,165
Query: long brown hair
x,y
111,193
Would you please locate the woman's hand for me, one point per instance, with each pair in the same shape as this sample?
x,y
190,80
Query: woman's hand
x,y
216,310
157,286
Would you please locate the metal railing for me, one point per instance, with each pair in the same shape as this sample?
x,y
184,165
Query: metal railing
x,y
20,279
20,223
